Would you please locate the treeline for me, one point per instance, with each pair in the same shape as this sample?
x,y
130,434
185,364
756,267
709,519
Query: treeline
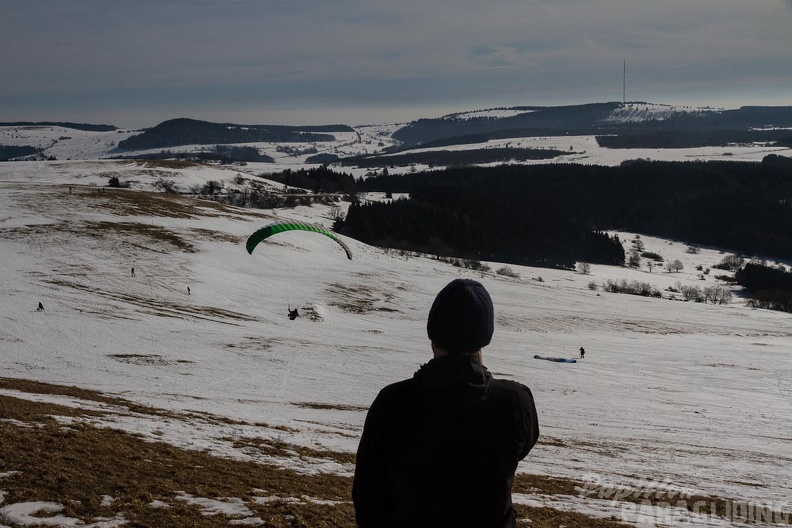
x,y
690,138
746,206
236,153
8,152
76,126
216,154
479,225
479,138
454,157
771,287
550,214
318,179
176,132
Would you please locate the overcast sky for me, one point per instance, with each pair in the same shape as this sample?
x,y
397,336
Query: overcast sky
x,y
136,63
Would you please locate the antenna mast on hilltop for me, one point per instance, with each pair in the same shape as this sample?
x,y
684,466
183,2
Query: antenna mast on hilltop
x,y
624,83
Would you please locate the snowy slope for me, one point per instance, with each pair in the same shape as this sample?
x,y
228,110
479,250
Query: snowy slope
x,y
70,144
696,395
640,112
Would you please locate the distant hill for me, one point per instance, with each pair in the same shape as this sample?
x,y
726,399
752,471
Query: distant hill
x,y
597,133
630,125
183,131
76,126
534,120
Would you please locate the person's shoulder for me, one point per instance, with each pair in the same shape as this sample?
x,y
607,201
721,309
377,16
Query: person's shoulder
x,y
513,388
398,389
509,384
394,397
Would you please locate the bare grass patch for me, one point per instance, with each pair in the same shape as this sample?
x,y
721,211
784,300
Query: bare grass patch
x,y
332,406
161,307
360,299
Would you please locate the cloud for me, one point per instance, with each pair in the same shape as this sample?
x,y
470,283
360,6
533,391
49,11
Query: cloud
x,y
259,53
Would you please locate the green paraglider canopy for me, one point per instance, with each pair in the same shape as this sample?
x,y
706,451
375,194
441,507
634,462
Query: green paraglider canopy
x,y
279,227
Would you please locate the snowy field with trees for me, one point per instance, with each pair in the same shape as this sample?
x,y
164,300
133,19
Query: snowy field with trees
x,y
183,390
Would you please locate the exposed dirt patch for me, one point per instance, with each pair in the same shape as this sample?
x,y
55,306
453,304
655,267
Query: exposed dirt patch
x,y
555,442
360,299
550,517
167,164
329,406
284,450
311,313
129,202
208,234
147,237
155,236
258,344
147,359
95,473
80,465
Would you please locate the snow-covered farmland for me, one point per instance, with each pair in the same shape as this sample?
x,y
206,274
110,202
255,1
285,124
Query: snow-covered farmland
x,y
695,396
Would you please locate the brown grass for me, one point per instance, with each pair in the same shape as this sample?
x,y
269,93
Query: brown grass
x,y
129,202
145,236
209,234
79,464
331,406
360,299
167,164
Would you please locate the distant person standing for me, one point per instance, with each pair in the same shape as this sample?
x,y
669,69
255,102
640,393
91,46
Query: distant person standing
x,y
40,307
188,290
440,449
582,353
133,272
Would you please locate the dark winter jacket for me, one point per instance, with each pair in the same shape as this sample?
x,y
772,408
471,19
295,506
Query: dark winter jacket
x,y
440,449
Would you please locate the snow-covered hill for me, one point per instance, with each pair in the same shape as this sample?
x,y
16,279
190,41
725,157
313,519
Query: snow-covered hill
x,y
642,112
691,395
71,144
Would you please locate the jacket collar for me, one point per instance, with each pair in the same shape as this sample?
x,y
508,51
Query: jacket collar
x,y
454,376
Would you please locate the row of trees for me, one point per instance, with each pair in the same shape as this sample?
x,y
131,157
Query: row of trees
x,y
728,204
454,157
480,225
183,131
8,152
318,179
771,287
552,214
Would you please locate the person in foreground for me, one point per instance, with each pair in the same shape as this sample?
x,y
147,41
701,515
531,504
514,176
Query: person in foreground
x,y
440,449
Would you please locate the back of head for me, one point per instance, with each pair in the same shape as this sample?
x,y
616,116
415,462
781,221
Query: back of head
x,y
461,319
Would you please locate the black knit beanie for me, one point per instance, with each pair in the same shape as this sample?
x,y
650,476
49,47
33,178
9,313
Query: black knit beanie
x,y
461,318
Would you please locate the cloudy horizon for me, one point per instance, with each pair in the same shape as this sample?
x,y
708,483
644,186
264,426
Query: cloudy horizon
x,y
308,62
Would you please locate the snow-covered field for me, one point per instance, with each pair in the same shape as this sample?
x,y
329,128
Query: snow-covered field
x,y
69,144
690,395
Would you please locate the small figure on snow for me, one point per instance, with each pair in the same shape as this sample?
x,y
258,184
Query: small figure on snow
x,y
293,314
40,308
582,353
188,290
133,272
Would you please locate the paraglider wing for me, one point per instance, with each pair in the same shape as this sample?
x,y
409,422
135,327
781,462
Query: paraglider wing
x,y
279,227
